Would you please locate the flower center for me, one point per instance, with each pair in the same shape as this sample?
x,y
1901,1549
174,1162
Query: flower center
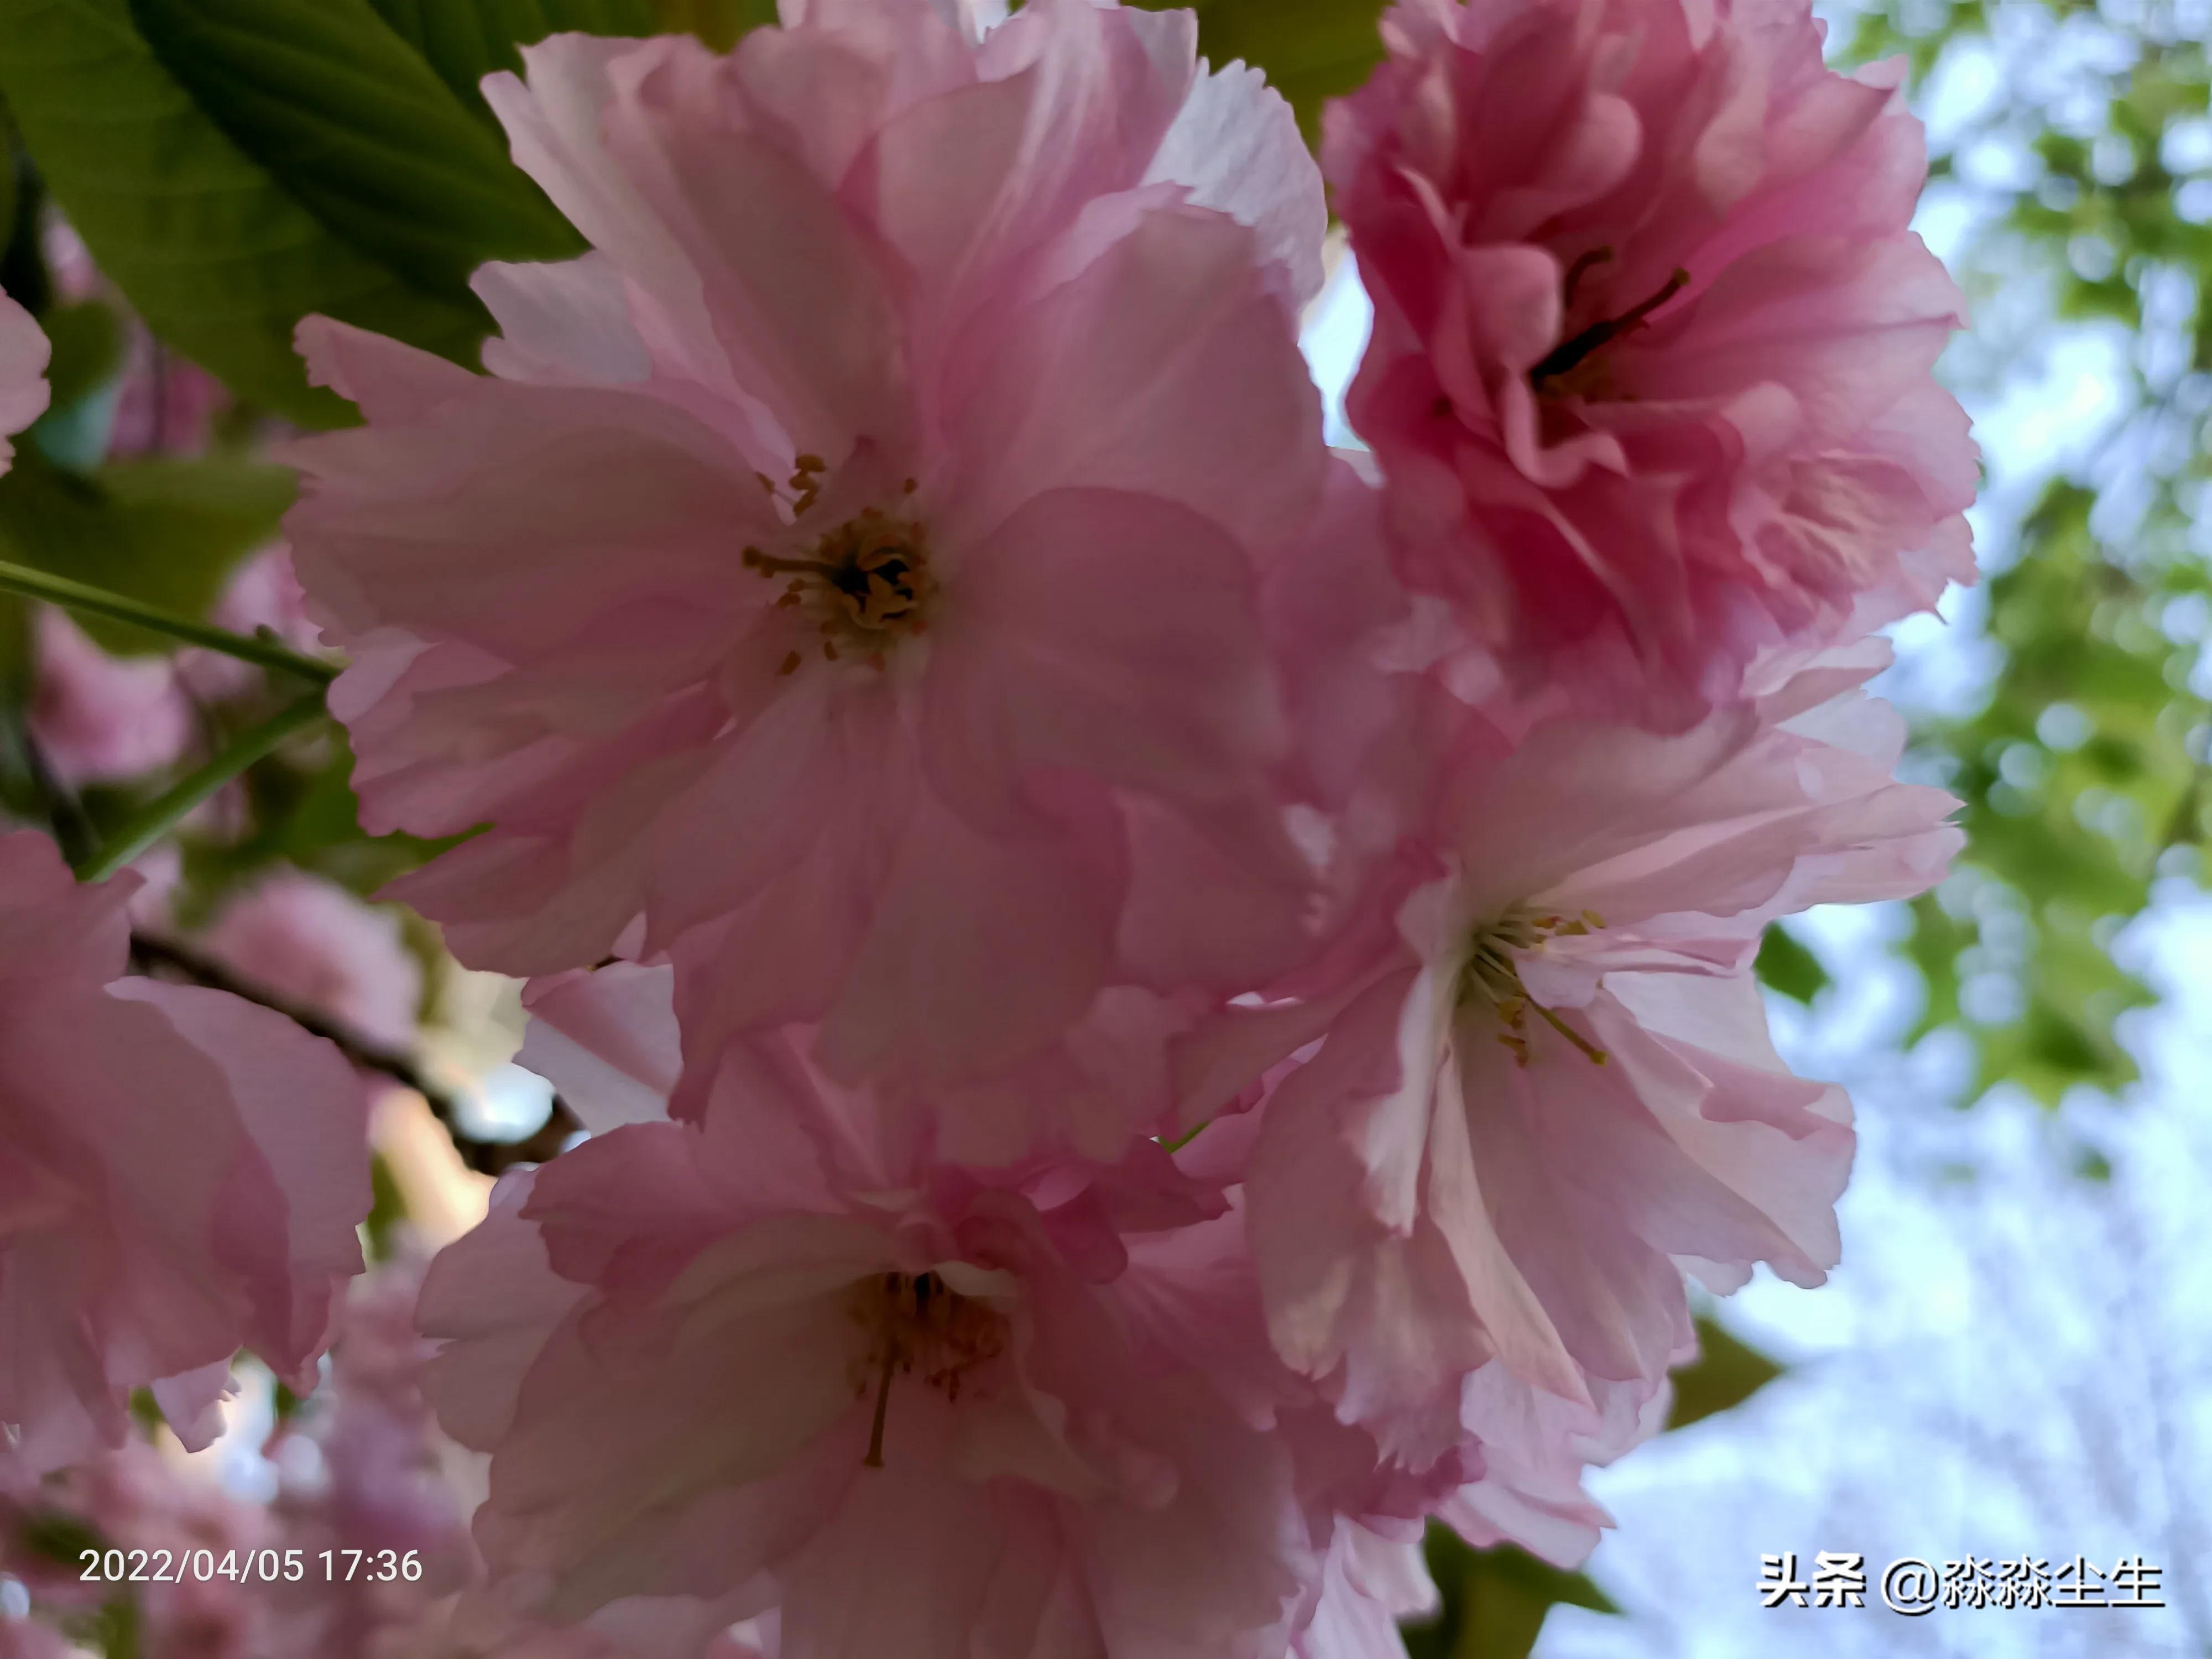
x,y
915,1323
865,586
1555,372
1492,976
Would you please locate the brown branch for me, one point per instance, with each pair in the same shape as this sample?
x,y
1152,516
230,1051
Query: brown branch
x,y
149,951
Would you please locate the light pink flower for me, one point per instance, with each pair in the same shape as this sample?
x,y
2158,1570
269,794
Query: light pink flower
x,y
872,607
1650,374
1547,1079
23,391
182,1173
314,943
1369,1583
929,1415
100,718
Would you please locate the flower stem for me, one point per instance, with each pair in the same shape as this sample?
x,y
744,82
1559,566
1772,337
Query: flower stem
x,y
160,816
81,596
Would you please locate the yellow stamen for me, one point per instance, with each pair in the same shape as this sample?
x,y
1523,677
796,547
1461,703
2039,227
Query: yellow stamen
x,y
1493,974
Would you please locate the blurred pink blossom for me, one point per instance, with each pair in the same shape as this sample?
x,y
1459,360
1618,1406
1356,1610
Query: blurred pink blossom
x,y
102,719
142,1247
314,943
23,392
137,1497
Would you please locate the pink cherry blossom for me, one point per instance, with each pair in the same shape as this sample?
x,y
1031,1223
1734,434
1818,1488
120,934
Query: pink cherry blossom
x,y
872,607
1650,374
100,719
1369,1583
930,1418
182,1173
23,391
312,942
1547,1079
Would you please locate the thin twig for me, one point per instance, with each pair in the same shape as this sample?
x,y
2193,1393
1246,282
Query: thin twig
x,y
150,951
73,830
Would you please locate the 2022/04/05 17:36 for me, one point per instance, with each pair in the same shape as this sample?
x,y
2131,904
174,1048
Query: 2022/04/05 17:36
x,y
245,1566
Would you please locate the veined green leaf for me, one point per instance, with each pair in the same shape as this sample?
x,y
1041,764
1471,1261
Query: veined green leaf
x,y
214,252
359,131
464,41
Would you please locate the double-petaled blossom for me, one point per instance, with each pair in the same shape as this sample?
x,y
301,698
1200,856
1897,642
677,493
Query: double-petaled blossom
x,y
1651,368
935,1419
1546,1079
23,392
181,1173
870,608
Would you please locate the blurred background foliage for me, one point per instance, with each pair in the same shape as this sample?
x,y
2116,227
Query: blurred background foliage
x,y
230,170
2075,144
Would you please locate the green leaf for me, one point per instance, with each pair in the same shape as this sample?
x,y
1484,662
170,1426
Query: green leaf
x,y
307,817
167,532
464,41
358,129
1311,49
720,23
1786,965
213,253
1495,1601
1725,1373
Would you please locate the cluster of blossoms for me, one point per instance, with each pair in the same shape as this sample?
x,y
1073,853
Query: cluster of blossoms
x,y
1157,1006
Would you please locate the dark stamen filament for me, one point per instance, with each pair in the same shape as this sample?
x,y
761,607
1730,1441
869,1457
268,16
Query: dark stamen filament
x,y
1565,357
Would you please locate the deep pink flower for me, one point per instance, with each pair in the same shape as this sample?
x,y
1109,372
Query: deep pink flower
x,y
1650,374
23,391
871,606
1547,1079
182,1173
